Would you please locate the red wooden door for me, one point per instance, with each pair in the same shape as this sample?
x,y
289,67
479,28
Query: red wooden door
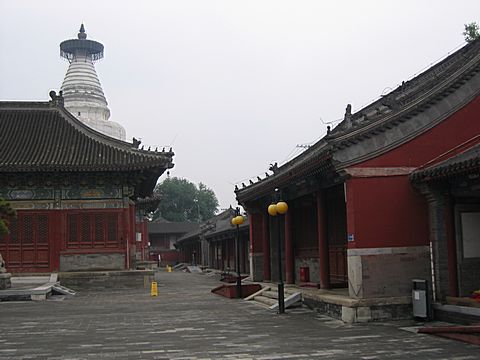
x,y
26,248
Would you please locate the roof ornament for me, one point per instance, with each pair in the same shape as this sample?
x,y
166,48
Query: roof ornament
x,y
390,102
136,143
328,130
273,167
56,99
348,116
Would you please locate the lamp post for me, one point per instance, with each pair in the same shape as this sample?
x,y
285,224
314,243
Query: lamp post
x,y
237,221
279,208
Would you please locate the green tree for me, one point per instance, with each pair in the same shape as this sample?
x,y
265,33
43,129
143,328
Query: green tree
x,y
184,201
6,211
471,32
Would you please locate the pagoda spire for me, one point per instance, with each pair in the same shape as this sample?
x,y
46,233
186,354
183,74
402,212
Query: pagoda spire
x,y
82,34
82,92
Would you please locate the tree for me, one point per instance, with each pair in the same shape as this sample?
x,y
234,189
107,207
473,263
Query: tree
x,y
471,32
183,201
6,211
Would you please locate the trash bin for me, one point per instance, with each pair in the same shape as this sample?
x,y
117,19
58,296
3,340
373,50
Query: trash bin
x,y
420,298
304,274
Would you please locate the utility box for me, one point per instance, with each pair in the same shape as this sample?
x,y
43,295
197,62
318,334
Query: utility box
x,y
304,274
420,298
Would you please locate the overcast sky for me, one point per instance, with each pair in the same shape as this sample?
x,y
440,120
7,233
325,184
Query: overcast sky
x,y
231,85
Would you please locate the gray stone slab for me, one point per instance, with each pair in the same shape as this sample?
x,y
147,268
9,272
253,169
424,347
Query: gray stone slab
x,y
187,321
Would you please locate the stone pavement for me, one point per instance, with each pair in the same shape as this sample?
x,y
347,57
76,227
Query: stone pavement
x,y
186,321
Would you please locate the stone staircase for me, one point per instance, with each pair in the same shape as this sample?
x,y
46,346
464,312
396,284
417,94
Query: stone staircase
x,y
268,297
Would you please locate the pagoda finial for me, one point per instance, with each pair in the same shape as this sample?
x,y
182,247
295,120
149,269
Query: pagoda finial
x,y
82,34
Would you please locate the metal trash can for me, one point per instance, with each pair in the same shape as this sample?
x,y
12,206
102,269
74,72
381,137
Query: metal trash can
x,y
420,298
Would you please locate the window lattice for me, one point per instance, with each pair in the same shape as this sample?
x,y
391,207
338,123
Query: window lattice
x,y
112,228
99,228
28,229
13,231
42,223
85,229
72,228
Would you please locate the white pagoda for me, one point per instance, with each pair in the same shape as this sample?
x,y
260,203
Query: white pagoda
x,y
82,91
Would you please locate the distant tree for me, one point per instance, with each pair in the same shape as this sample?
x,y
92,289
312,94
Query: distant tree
x,y
183,201
6,211
471,32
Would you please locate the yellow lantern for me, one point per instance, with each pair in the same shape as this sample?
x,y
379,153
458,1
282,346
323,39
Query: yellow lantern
x,y
239,220
272,209
282,207
234,221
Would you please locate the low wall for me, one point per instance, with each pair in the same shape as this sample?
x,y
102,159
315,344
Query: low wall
x,y
91,262
386,272
107,279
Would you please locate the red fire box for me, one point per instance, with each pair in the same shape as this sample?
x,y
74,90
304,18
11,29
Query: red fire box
x,y
304,274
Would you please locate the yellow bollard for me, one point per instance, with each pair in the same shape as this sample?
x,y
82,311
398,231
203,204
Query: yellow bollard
x,y
153,289
169,268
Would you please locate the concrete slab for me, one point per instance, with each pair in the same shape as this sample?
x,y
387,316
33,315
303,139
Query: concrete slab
x,y
194,269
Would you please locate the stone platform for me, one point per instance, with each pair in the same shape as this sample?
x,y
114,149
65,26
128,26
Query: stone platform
x,y
337,304
107,279
25,288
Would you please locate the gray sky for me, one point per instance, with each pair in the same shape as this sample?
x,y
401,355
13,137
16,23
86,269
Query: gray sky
x,y
231,85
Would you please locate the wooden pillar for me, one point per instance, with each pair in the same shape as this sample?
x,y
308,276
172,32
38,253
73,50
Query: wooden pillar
x,y
322,241
267,274
289,258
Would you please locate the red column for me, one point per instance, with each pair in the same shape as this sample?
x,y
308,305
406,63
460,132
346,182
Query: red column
x,y
289,259
322,241
452,249
126,235
267,275
57,239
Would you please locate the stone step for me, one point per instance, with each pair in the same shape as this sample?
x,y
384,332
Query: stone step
x,y
271,294
289,301
265,300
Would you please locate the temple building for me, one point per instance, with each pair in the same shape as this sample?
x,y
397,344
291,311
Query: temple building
x,y
80,191
83,95
393,186
213,244
163,235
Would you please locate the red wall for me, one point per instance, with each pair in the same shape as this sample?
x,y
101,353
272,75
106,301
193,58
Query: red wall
x,y
386,212
458,128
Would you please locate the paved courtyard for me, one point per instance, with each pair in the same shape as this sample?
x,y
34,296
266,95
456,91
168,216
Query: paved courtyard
x,y
186,321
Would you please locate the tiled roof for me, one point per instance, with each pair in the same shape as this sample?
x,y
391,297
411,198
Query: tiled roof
x,y
43,136
461,164
218,224
366,126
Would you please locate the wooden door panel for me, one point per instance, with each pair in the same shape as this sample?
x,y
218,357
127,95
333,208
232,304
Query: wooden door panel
x,y
27,248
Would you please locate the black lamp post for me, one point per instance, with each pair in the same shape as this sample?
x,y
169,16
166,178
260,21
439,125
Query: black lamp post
x,y
237,221
279,208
